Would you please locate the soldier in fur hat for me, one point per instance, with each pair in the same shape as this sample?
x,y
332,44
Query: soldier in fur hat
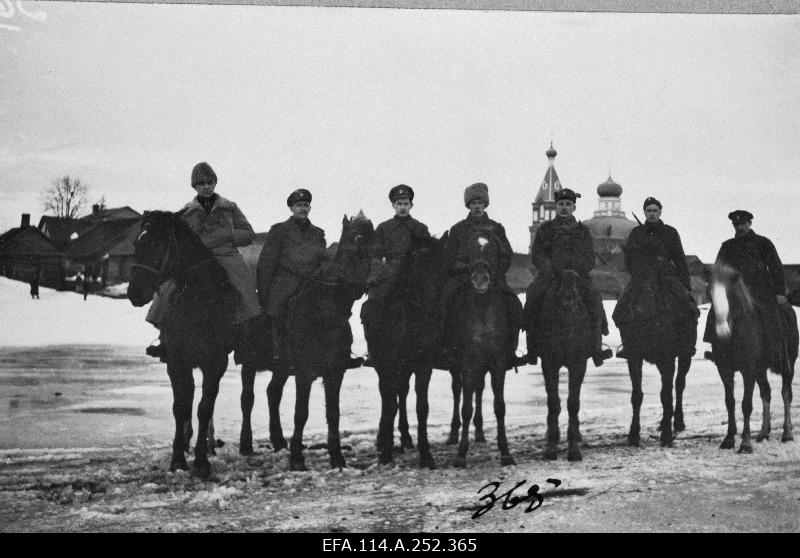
x,y
549,259
476,200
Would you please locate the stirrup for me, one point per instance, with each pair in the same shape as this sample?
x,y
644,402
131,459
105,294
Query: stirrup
x,y
621,353
355,362
156,351
709,355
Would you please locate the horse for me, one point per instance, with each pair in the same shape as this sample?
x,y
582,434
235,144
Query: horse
x,y
482,331
319,337
405,343
740,344
657,320
564,336
197,331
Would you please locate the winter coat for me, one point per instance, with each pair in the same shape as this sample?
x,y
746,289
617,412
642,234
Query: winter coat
x,y
458,252
393,237
667,243
289,256
560,244
757,260
222,229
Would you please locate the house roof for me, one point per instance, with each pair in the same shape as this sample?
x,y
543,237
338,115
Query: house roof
x,y
104,237
27,241
60,229
106,214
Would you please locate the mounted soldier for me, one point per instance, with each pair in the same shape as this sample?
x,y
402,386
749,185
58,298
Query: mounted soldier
x,y
391,242
551,256
292,252
476,199
655,237
222,227
755,257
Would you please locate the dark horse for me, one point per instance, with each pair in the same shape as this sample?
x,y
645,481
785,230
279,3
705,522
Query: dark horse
x,y
740,344
319,338
197,331
657,320
564,332
482,331
408,321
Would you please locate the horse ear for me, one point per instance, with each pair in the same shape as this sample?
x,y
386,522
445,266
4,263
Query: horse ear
x,y
345,220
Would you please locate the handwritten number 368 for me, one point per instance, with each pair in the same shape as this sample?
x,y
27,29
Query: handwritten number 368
x,y
509,501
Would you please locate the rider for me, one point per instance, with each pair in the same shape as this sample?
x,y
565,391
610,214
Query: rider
x,y
476,199
549,259
391,241
222,227
293,250
672,268
755,257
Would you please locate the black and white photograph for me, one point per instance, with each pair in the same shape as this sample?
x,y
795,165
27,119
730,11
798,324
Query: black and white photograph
x,y
400,273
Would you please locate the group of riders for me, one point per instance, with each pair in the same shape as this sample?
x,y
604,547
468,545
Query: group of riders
x,y
294,249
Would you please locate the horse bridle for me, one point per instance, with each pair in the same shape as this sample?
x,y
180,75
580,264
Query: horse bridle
x,y
158,272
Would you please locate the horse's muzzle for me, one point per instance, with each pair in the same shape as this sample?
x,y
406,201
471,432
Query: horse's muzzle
x,y
480,278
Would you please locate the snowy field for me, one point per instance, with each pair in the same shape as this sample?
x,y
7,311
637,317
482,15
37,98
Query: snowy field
x,y
84,446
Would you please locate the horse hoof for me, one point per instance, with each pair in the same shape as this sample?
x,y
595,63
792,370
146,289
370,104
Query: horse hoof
x,y
452,439
202,470
745,448
666,441
297,465
761,437
246,450
460,463
680,427
574,455
634,440
480,438
787,437
385,459
211,451
338,462
178,465
551,454
727,443
427,462
406,443
278,445
507,460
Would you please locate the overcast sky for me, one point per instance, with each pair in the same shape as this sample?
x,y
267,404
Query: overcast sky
x,y
700,111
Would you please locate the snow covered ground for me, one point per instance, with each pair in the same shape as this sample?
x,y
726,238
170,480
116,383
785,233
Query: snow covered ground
x,y
87,425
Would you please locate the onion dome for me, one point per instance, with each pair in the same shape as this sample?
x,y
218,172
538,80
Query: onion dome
x,y
551,152
609,188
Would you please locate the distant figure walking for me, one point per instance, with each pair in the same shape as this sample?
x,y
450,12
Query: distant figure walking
x,y
34,286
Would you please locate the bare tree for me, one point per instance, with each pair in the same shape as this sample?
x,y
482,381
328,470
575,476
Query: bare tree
x,y
101,202
66,197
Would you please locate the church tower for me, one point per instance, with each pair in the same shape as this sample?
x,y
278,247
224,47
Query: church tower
x,y
544,206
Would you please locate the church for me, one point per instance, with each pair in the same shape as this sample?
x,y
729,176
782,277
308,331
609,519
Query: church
x,y
609,225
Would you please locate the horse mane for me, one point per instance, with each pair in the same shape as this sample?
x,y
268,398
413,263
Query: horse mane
x,y
731,279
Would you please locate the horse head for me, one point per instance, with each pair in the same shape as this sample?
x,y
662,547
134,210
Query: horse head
x,y
154,258
483,252
352,255
567,290
424,268
729,296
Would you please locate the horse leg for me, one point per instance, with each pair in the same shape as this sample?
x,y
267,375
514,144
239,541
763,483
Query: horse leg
x,y
274,395
468,391
333,385
212,374
667,371
455,424
246,400
553,435
405,438
211,439
766,417
746,446
182,382
786,393
302,388
576,374
635,373
387,384
727,377
477,420
498,379
684,362
422,379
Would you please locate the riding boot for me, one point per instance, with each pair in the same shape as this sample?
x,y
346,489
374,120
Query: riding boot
x,y
598,354
533,350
